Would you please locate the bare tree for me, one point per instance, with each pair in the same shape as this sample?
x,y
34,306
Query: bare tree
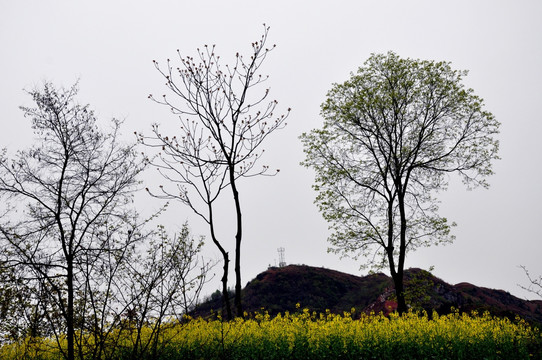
x,y
135,292
160,287
222,126
535,283
65,191
100,303
392,133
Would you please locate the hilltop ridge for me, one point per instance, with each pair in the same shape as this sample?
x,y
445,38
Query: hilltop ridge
x,y
279,289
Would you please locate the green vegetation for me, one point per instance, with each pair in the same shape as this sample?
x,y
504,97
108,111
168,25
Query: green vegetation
x,y
306,335
392,135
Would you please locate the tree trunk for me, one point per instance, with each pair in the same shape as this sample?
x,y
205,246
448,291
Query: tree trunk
x,y
238,237
69,318
226,257
399,286
225,294
397,276
400,293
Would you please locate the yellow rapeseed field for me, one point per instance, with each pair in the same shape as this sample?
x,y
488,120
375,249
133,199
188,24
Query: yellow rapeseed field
x,y
307,335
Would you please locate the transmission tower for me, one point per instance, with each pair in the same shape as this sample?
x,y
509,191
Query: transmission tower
x,y
282,262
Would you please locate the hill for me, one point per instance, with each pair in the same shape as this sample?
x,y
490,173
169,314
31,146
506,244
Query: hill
x,y
280,289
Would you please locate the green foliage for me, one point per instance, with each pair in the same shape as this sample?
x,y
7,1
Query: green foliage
x,y
392,133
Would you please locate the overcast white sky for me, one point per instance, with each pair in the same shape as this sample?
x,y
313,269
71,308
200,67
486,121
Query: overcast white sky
x,y
110,46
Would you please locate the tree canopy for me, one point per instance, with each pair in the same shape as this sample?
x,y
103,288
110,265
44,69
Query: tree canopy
x,y
392,134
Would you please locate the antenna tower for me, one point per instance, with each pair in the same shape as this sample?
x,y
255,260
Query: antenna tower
x,y
282,263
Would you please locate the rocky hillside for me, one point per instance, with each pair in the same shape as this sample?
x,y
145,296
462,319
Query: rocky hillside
x,y
280,289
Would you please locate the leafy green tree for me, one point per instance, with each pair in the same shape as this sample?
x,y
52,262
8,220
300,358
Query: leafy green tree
x,y
392,133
